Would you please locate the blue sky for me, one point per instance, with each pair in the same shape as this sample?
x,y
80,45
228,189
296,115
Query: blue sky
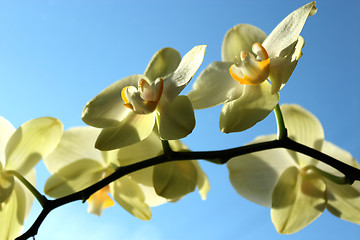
x,y
57,55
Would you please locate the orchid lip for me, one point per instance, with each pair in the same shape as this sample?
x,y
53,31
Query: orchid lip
x,y
145,98
251,70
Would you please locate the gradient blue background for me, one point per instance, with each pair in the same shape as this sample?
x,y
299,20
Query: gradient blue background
x,y
57,55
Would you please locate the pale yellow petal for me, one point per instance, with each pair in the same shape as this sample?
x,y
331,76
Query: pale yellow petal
x,y
176,120
76,144
240,38
107,108
255,175
133,128
174,179
255,104
214,86
304,128
74,177
164,62
6,129
297,200
31,142
175,82
338,153
344,201
130,196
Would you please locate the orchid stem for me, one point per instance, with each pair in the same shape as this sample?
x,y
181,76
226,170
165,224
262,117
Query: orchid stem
x,y
281,129
41,198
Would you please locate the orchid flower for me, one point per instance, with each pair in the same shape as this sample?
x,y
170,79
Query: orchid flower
x,y
297,187
75,164
249,59
129,108
20,151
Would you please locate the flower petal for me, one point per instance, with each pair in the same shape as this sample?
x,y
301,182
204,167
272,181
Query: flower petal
x,y
6,129
76,143
284,45
177,81
288,31
338,153
107,108
129,195
202,183
255,175
282,67
34,140
176,120
344,201
174,180
240,38
304,128
74,177
252,106
214,86
297,200
164,62
16,209
133,128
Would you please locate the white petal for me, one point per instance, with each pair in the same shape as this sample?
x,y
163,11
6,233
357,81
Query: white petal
x,y
74,177
255,175
176,120
344,201
164,62
107,108
214,86
34,140
6,129
298,199
240,38
304,128
76,144
130,196
255,104
338,153
133,128
177,81
288,31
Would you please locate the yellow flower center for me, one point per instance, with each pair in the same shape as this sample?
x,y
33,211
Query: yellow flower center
x,y
251,70
144,99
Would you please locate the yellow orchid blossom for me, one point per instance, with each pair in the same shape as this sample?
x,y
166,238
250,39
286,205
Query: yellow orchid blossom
x,y
20,151
249,59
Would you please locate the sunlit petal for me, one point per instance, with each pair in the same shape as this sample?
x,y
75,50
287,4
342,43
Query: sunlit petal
x,y
252,106
177,119
74,177
34,140
177,81
304,128
163,62
240,38
133,128
344,201
76,144
288,31
255,175
298,199
174,179
107,108
214,86
130,196
6,129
